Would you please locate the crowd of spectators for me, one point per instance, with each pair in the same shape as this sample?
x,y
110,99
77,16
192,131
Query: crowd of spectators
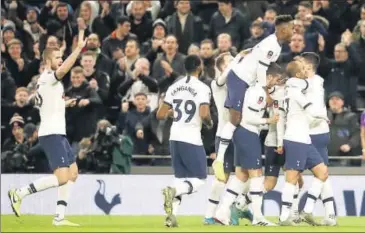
x,y
135,51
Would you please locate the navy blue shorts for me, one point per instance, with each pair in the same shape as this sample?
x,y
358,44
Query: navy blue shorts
x,y
300,156
247,149
273,161
236,90
320,142
188,160
228,156
58,150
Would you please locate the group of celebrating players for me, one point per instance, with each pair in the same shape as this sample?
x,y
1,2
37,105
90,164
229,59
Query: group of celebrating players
x,y
247,87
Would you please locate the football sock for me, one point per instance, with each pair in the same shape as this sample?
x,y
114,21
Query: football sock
x,y
38,185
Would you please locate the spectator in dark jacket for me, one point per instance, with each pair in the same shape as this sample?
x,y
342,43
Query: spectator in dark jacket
x,y
171,56
257,35
341,74
207,54
113,45
187,27
131,119
17,134
296,46
141,23
153,47
229,20
8,86
82,111
344,129
224,44
360,47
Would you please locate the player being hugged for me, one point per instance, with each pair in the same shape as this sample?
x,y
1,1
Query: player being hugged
x,y
52,134
300,154
188,99
247,153
223,65
319,133
249,70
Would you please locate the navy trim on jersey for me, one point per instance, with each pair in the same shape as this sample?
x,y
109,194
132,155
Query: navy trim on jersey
x,y
252,109
282,109
216,82
272,91
307,105
306,87
263,63
55,76
168,104
204,103
188,78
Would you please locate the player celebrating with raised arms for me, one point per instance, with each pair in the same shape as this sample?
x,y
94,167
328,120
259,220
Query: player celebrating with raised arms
x,y
223,65
52,134
248,151
189,100
300,154
246,73
319,133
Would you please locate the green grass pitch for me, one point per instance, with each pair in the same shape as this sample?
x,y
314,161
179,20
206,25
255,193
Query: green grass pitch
x,y
36,223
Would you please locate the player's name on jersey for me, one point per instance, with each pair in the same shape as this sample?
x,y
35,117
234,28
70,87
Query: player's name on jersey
x,y
184,88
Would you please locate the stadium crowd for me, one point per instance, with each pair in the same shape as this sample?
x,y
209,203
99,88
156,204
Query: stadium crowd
x,y
135,51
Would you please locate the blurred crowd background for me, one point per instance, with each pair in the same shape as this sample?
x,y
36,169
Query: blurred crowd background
x,y
136,50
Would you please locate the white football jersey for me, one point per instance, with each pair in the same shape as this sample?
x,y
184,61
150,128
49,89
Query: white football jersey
x,y
253,109
274,137
51,103
254,65
185,97
315,94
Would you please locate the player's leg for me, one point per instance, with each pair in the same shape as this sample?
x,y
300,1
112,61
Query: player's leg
x,y
294,215
236,90
295,158
58,163
320,171
272,168
320,142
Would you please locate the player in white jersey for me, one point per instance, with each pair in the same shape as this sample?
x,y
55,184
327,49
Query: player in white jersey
x,y
300,154
248,151
189,99
52,132
251,69
319,133
224,63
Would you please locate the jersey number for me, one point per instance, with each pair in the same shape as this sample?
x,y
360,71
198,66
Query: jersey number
x,y
189,109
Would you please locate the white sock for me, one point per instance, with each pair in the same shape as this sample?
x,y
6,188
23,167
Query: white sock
x,y
295,206
327,198
63,196
176,204
182,187
226,138
256,192
286,201
214,197
234,188
313,194
38,185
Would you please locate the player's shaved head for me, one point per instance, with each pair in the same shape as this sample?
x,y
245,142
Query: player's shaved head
x,y
311,58
274,69
48,53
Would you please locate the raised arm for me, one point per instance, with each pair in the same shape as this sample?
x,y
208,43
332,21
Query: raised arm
x,y
70,61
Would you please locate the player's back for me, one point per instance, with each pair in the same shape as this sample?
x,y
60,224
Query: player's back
x,y
316,95
219,95
268,50
186,95
297,121
278,97
51,104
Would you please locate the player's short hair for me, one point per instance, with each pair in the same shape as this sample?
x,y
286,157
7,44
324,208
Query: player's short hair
x,y
89,53
134,40
14,42
77,70
48,53
140,94
312,58
219,61
21,89
306,4
192,62
207,41
293,68
274,69
281,19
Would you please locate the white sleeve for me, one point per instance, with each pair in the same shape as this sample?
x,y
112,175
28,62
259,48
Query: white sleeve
x,y
280,125
250,116
204,96
307,105
222,78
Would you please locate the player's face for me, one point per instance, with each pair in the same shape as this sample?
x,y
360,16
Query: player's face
x,y
56,60
77,79
88,62
273,80
289,30
21,98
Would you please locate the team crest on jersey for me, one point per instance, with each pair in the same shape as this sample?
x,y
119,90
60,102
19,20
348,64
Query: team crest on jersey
x,y
276,104
269,54
260,100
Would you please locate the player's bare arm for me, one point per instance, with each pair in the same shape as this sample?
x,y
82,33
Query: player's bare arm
x,y
204,112
70,61
164,111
